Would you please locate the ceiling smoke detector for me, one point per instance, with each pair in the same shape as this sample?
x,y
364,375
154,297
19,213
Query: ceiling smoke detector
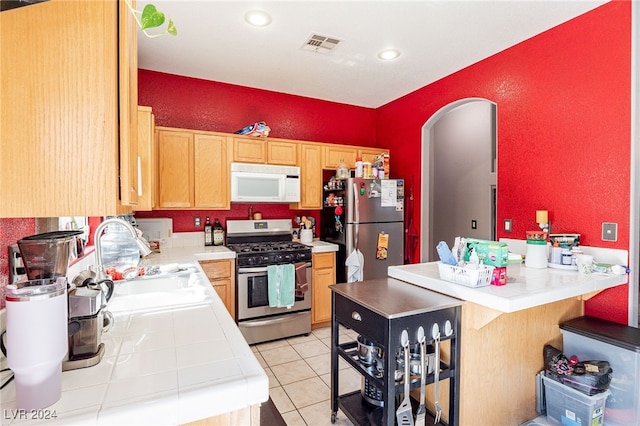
x,y
321,44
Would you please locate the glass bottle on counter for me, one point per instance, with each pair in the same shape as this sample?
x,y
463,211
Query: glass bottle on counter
x,y
208,233
342,171
218,233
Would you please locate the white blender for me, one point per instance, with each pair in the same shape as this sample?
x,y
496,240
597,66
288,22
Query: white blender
x,y
37,319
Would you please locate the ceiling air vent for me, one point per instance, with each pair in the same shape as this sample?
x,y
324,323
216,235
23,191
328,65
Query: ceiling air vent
x,y
321,44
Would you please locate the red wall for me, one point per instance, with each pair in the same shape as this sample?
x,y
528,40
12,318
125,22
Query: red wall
x,y
192,103
563,105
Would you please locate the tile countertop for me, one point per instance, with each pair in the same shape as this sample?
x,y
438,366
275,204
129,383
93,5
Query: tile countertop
x,y
525,288
166,366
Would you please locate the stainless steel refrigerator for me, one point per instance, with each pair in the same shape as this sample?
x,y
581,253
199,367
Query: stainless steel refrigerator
x,y
365,215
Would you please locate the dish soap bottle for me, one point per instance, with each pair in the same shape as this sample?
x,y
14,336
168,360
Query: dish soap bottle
x,y
218,233
208,233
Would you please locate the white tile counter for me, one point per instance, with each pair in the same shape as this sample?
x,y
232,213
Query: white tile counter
x,y
166,366
525,288
322,246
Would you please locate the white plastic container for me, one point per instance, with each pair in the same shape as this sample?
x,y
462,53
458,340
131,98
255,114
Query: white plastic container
x,y
567,406
536,254
37,340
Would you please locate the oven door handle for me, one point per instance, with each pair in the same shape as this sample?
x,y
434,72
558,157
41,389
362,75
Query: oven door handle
x,y
261,269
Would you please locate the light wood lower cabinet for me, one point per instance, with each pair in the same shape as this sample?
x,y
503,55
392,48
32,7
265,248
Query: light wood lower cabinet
x,y
324,275
221,274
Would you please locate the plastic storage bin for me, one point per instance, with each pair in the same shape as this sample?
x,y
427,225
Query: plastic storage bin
x,y
569,407
594,338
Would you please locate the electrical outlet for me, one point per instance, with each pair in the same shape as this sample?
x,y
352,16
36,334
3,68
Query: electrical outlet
x,y
609,231
507,225
197,222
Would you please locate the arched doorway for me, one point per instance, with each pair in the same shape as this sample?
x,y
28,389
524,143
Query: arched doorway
x,y
459,169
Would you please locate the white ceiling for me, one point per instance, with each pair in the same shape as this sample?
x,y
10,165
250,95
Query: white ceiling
x,y
436,38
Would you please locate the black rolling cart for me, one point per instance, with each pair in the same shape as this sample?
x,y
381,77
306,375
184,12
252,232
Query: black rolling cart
x,y
380,310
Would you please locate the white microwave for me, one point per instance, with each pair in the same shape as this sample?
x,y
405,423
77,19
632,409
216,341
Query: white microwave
x,y
264,183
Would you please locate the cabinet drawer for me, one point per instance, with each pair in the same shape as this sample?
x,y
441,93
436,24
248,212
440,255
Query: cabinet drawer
x,y
323,260
216,269
360,319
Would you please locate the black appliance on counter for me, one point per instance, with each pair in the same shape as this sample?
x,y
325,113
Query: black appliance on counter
x,y
259,244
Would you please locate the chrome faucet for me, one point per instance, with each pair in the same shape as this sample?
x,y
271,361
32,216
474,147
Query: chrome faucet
x,y
143,246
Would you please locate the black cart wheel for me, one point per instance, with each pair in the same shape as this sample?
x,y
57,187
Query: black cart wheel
x,y
333,418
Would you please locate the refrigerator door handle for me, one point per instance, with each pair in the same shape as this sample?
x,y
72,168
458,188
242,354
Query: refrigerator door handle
x,y
356,203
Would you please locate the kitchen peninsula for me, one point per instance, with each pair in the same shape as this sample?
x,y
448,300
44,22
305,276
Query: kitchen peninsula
x,y
503,332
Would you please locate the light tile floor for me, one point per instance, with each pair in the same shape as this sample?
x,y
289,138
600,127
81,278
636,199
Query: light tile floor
x,y
299,371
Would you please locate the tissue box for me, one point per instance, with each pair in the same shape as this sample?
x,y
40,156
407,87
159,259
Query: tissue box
x,y
491,253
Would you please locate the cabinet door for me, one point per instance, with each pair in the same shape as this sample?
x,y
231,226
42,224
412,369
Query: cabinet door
x,y
310,177
175,169
58,109
334,153
249,150
369,154
221,274
146,153
284,153
324,275
128,99
211,168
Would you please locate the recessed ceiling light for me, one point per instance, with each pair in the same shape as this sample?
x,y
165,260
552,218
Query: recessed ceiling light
x,y
257,18
388,54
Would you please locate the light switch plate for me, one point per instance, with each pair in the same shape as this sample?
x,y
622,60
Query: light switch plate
x,y
609,231
507,225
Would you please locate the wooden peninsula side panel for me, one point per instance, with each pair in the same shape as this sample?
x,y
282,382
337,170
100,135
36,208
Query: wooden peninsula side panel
x,y
501,355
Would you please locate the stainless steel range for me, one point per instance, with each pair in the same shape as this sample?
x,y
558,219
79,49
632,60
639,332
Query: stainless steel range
x,y
260,244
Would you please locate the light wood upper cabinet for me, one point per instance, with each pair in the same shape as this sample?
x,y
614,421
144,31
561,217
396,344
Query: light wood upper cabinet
x,y
175,169
310,156
211,172
128,75
249,150
334,153
369,154
146,126
193,170
283,153
59,109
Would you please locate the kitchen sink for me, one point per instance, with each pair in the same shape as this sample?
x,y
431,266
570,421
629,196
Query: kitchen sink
x,y
162,292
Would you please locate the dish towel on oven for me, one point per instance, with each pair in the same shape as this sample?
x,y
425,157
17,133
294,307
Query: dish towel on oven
x,y
281,283
301,284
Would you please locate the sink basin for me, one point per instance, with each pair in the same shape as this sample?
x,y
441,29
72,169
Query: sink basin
x,y
157,293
